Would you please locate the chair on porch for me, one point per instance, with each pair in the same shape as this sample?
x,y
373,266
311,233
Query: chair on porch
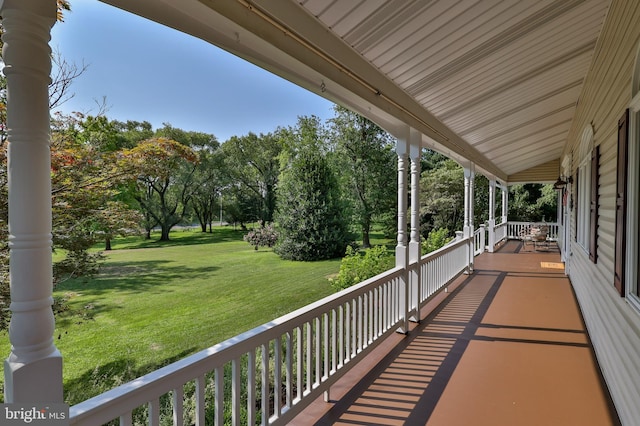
x,y
536,235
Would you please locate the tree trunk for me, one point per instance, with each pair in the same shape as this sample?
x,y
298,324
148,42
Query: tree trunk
x,y
203,226
366,228
164,236
147,235
366,243
107,244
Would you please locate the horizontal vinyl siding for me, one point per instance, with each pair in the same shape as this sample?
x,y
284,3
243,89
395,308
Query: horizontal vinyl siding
x,y
613,329
547,172
614,326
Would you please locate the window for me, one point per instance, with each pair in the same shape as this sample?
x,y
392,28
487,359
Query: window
x,y
585,188
627,261
621,205
627,264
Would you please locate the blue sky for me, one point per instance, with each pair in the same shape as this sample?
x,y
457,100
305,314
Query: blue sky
x,y
150,72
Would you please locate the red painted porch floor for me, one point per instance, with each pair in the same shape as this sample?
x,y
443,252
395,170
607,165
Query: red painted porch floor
x,y
506,347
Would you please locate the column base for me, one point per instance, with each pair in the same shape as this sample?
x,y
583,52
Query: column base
x,y
37,381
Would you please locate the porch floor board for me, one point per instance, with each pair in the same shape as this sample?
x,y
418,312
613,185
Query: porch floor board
x,y
506,346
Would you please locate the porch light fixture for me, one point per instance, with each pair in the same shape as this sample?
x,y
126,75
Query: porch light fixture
x,y
562,182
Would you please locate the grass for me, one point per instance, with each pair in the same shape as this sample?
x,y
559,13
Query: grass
x,y
156,302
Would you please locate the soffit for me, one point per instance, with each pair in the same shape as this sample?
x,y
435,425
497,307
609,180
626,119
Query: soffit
x,y
505,75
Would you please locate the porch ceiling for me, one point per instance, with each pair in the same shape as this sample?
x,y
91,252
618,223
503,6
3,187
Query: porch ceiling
x,y
495,82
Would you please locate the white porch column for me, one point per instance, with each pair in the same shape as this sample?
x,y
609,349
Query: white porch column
x,y
402,250
414,244
33,371
492,215
505,203
469,177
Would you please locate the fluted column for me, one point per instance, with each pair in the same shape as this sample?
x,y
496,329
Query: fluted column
x,y
33,370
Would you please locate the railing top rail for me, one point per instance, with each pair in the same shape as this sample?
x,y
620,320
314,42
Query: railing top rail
x,y
444,250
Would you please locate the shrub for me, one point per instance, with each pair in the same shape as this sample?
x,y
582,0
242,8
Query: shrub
x,y
436,239
264,236
356,267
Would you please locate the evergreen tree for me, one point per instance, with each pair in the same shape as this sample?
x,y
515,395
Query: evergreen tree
x,y
310,214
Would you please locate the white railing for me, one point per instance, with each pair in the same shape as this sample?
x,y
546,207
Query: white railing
x,y
500,232
514,229
439,268
479,237
269,374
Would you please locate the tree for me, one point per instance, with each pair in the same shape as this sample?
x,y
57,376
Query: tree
x,y
442,197
310,211
85,179
164,170
240,205
206,180
532,202
208,184
252,162
366,153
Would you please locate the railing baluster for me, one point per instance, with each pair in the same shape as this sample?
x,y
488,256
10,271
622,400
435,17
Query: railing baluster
x,y
360,324
299,363
341,351
235,391
219,395
178,406
376,312
369,308
289,367
125,419
200,402
277,377
309,361
251,387
326,350
334,340
154,412
347,331
265,383
354,327
318,350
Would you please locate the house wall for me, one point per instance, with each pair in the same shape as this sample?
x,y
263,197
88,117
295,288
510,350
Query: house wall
x,y
613,324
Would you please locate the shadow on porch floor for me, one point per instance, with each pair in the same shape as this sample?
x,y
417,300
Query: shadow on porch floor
x,y
507,347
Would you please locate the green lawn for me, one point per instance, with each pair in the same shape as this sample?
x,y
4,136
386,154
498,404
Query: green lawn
x,y
154,303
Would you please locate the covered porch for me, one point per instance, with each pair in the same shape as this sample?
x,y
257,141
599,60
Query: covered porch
x,y
507,346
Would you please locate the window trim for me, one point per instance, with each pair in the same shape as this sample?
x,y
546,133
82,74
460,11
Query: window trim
x,y
584,182
632,249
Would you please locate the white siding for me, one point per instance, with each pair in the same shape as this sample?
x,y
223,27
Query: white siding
x,y
614,326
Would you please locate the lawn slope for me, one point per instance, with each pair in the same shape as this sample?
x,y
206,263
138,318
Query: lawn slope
x,y
154,303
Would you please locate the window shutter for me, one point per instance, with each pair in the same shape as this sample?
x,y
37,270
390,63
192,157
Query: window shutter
x,y
575,203
621,204
593,205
